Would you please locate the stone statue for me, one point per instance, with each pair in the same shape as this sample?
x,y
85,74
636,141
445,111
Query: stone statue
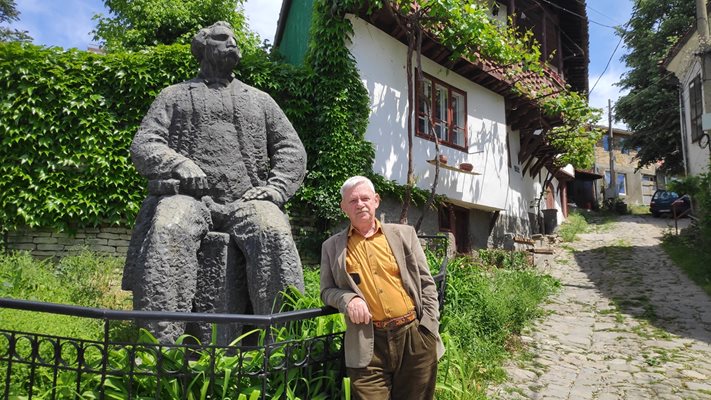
x,y
221,159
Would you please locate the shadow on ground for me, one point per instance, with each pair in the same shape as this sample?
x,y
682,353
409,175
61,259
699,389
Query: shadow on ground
x,y
643,282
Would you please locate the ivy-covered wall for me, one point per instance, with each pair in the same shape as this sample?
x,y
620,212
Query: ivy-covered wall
x,y
67,119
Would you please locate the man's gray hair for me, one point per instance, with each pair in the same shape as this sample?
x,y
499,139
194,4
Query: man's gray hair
x,y
197,47
356,180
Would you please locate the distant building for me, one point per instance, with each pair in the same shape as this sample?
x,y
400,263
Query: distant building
x,y
635,187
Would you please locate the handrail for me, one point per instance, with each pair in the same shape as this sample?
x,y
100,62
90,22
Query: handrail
x,y
121,315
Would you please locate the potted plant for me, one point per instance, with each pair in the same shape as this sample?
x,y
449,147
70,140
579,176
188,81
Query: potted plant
x,y
466,167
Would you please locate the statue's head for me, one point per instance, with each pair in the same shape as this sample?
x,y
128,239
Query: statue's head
x,y
216,45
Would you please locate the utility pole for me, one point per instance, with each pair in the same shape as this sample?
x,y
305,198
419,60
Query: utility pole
x,y
611,191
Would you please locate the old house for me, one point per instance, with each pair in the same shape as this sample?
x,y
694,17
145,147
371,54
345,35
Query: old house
x,y
687,60
634,186
477,115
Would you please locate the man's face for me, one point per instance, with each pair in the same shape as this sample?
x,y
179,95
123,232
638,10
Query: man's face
x,y
221,47
359,203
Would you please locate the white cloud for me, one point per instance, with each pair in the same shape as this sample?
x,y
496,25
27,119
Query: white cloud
x,y
67,23
606,89
263,16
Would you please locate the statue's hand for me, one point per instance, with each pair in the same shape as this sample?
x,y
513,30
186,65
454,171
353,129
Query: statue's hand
x,y
218,212
263,193
192,178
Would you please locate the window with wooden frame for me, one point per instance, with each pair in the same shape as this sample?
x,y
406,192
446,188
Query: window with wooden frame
x,y
695,108
442,111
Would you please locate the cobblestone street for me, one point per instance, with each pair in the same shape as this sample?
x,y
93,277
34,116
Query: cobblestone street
x,y
626,324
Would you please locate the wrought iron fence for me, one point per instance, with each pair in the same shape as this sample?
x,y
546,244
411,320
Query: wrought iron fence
x,y
45,366
280,358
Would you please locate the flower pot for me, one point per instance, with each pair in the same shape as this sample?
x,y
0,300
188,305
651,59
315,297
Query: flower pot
x,y
466,167
442,159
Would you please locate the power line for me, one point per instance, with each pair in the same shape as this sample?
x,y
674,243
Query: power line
x,y
606,66
578,15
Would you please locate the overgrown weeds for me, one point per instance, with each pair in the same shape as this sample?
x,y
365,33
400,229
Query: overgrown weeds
x,y
486,307
573,225
489,300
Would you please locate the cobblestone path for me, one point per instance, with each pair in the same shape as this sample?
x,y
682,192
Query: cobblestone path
x,y
626,324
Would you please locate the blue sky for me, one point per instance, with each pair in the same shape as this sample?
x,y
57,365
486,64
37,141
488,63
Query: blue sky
x,y
68,23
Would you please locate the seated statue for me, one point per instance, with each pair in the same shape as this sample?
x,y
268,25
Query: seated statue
x,y
220,156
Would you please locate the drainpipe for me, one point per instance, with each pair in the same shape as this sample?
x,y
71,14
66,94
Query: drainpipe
x,y
702,28
682,122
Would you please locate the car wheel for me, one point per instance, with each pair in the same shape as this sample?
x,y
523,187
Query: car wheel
x,y
655,214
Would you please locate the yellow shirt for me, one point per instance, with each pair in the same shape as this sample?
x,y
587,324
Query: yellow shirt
x,y
371,264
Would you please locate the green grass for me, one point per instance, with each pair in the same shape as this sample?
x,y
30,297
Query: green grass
x,y
691,257
489,300
84,279
586,221
485,310
639,209
573,225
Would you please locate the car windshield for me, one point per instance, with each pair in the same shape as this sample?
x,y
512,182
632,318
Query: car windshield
x,y
664,195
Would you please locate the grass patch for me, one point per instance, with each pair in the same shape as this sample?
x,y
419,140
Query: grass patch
x,y
638,209
573,225
485,310
694,260
489,300
84,279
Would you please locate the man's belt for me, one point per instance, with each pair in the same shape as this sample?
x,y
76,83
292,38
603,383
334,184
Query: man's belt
x,y
395,322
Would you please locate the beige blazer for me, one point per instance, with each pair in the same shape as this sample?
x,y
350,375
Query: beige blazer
x,y
338,288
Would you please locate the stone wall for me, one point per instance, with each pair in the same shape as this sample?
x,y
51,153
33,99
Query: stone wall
x,y
112,241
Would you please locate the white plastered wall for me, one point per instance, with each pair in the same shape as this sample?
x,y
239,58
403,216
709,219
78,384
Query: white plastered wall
x,y
686,65
381,61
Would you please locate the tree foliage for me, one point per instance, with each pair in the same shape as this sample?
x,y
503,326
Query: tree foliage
x,y
650,109
138,24
9,13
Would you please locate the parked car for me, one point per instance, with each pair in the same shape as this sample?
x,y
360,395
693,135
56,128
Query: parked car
x,y
663,201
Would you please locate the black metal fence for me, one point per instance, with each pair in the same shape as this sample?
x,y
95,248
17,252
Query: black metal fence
x,y
45,366
287,355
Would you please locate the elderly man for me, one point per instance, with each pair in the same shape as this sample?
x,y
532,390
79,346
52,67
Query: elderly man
x,y
236,160
378,276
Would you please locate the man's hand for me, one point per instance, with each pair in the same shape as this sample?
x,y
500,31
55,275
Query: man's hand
x,y
263,193
358,311
192,178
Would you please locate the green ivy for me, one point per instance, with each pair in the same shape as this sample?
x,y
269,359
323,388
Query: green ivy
x,y
66,121
67,118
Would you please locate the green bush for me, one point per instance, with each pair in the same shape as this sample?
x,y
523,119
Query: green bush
x,y
616,205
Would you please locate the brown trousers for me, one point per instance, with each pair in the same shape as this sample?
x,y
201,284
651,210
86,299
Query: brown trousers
x,y
404,366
